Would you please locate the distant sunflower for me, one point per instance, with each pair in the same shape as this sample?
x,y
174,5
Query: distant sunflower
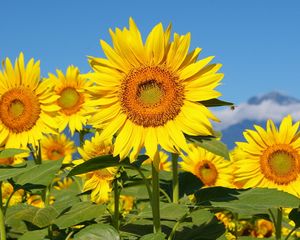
x,y
17,159
74,100
99,181
211,169
55,147
27,105
270,158
150,93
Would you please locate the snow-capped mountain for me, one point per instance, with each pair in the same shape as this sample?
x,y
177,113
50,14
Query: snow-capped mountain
x,y
257,110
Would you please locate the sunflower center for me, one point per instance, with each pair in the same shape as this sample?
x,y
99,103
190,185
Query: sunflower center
x,y
19,109
150,93
70,100
55,153
151,96
207,173
16,108
280,164
7,161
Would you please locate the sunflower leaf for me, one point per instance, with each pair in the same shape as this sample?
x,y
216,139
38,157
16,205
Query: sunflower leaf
x,y
79,212
10,152
41,174
211,144
247,202
98,231
104,161
216,103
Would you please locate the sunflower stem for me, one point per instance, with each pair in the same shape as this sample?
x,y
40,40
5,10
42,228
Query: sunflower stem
x,y
116,205
155,196
175,183
2,218
278,224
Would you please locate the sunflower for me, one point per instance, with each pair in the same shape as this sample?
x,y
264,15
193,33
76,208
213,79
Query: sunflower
x,y
99,181
17,159
164,164
9,194
211,169
27,105
55,147
270,158
74,100
150,93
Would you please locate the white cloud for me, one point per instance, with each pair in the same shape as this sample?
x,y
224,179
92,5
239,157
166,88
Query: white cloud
x,y
266,110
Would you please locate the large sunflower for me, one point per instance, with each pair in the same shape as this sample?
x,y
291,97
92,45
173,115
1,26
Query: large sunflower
x,y
27,105
211,169
74,100
55,147
149,93
99,181
270,158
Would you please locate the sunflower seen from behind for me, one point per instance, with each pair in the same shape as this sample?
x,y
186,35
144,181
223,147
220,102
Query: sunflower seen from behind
x,y
210,169
74,100
270,157
27,105
99,182
149,93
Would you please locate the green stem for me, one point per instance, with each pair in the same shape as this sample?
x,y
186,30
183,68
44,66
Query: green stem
x,y
146,183
172,234
155,198
69,235
116,204
166,195
7,202
2,219
278,224
175,182
290,233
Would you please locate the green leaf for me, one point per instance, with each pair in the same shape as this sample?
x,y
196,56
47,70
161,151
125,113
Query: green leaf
x,y
211,144
41,174
188,183
202,226
37,234
103,162
79,212
251,201
98,231
294,215
154,236
10,152
168,211
10,172
40,217
216,103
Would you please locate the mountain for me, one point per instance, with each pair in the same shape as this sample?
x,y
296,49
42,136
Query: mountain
x,y
257,110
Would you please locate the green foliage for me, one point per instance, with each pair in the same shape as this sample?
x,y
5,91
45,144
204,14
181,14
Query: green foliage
x,y
41,174
216,103
97,232
79,212
251,201
154,236
34,235
211,144
10,152
104,162
294,215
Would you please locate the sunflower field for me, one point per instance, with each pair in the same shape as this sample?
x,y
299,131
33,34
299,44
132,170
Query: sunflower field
x,y
128,150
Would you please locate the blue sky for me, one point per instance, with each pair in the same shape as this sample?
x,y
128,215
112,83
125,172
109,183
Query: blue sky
x,y
257,41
